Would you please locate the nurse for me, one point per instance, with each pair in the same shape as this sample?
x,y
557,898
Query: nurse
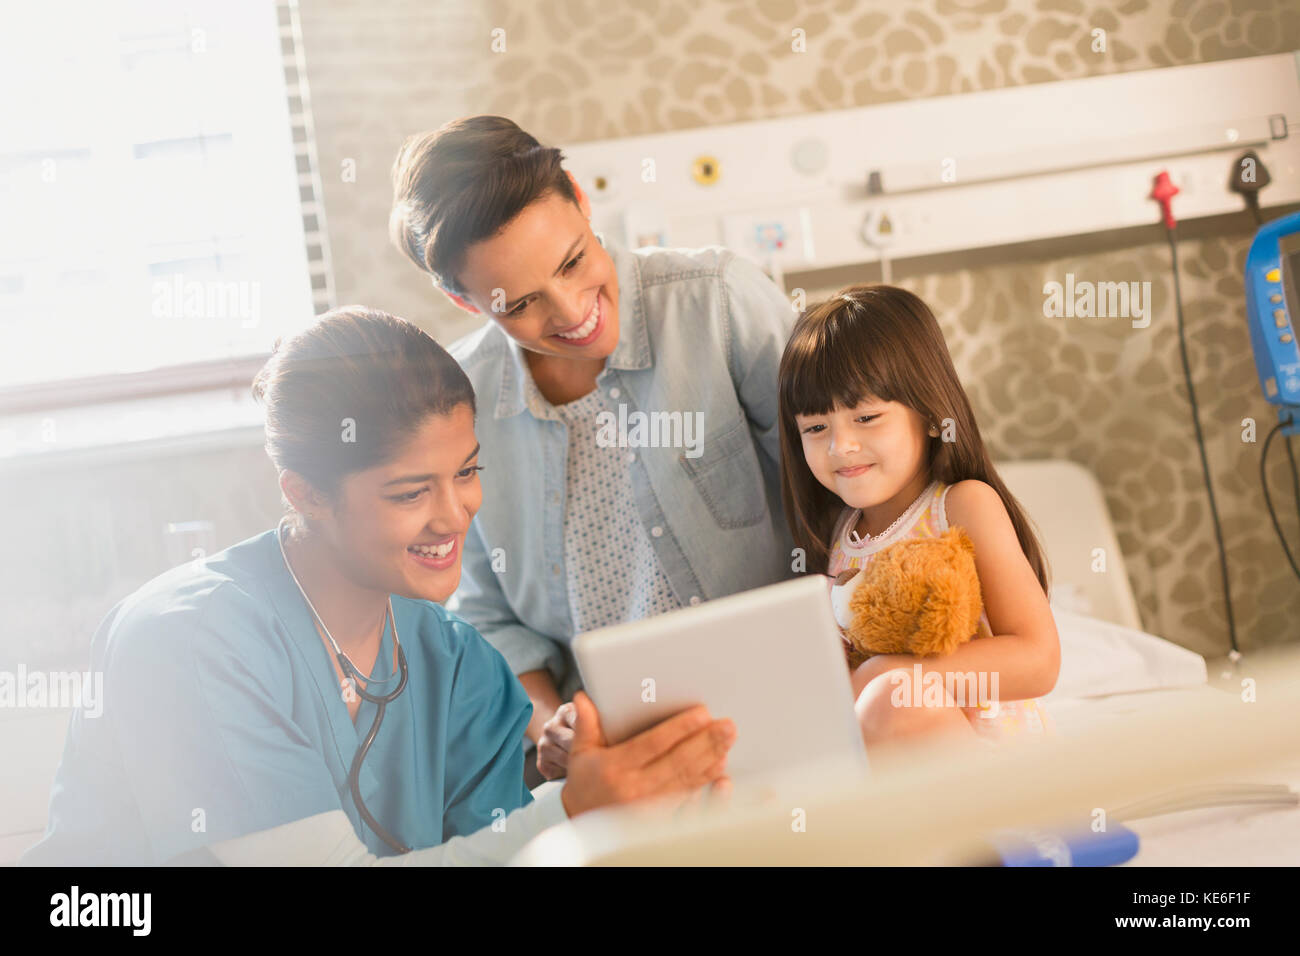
x,y
240,689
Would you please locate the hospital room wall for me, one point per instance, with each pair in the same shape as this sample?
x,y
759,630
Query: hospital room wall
x,y
81,536
1098,392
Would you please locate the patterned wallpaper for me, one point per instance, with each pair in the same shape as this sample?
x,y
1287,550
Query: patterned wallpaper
x,y
1099,393
576,70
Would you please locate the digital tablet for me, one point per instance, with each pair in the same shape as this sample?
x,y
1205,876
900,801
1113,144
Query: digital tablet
x,y
771,659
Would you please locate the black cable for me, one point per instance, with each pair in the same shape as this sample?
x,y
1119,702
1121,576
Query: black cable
x,y
1249,175
1171,234
1252,203
1268,500
1249,189
1295,476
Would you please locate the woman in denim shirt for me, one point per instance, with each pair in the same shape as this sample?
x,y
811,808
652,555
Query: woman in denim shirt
x,y
627,407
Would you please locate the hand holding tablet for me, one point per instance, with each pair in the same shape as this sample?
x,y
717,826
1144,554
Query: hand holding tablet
x,y
770,660
676,757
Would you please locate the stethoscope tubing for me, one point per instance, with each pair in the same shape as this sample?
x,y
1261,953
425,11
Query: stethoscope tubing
x,y
381,701
354,774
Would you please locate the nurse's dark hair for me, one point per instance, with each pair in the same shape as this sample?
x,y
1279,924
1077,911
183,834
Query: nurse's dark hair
x,y
463,183
344,394
882,342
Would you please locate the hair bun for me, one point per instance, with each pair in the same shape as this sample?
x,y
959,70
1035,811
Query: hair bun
x,y
262,380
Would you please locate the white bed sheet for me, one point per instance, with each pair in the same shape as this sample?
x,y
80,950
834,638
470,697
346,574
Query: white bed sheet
x,y
1217,836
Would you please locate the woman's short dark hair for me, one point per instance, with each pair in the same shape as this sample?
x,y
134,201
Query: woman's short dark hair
x,y
345,394
463,183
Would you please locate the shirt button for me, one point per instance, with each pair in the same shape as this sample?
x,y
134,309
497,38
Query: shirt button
x,y
657,531
631,457
614,393
695,600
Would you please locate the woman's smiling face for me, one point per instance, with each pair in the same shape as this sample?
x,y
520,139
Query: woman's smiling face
x,y
547,281
400,527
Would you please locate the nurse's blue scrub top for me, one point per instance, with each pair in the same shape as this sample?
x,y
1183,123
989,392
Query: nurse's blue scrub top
x,y
223,716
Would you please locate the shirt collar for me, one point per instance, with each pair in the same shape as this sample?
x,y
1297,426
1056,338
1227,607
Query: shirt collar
x,y
632,351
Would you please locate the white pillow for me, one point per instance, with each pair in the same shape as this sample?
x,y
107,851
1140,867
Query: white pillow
x,y
1099,658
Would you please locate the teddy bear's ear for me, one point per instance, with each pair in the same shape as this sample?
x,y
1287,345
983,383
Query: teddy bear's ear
x,y
845,576
961,540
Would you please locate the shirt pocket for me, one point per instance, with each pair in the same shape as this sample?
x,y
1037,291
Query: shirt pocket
x,y
727,476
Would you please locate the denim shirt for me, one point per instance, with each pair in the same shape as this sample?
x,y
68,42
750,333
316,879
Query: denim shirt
x,y
700,331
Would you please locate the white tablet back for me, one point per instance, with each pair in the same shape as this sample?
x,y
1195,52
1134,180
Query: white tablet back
x,y
771,659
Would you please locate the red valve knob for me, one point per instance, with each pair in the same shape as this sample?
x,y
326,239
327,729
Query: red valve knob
x,y
1163,192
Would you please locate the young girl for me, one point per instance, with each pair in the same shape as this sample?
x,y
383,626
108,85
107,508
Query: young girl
x,y
879,444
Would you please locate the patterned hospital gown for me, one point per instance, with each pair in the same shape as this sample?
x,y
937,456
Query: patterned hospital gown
x,y
927,517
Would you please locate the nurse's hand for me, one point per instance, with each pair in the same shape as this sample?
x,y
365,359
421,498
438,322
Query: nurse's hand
x,y
674,758
555,742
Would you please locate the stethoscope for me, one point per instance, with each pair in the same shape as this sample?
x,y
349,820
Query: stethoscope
x,y
353,677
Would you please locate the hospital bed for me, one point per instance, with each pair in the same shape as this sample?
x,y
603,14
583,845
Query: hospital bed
x,y
1113,675
1124,710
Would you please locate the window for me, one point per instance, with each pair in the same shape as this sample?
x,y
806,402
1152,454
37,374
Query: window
x,y
159,219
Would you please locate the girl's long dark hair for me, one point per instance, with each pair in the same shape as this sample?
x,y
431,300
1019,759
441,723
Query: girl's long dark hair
x,y
878,341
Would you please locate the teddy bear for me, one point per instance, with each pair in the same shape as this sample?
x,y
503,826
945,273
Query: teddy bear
x,y
919,596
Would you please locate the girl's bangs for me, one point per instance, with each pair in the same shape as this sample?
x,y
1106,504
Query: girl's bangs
x,y
833,361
